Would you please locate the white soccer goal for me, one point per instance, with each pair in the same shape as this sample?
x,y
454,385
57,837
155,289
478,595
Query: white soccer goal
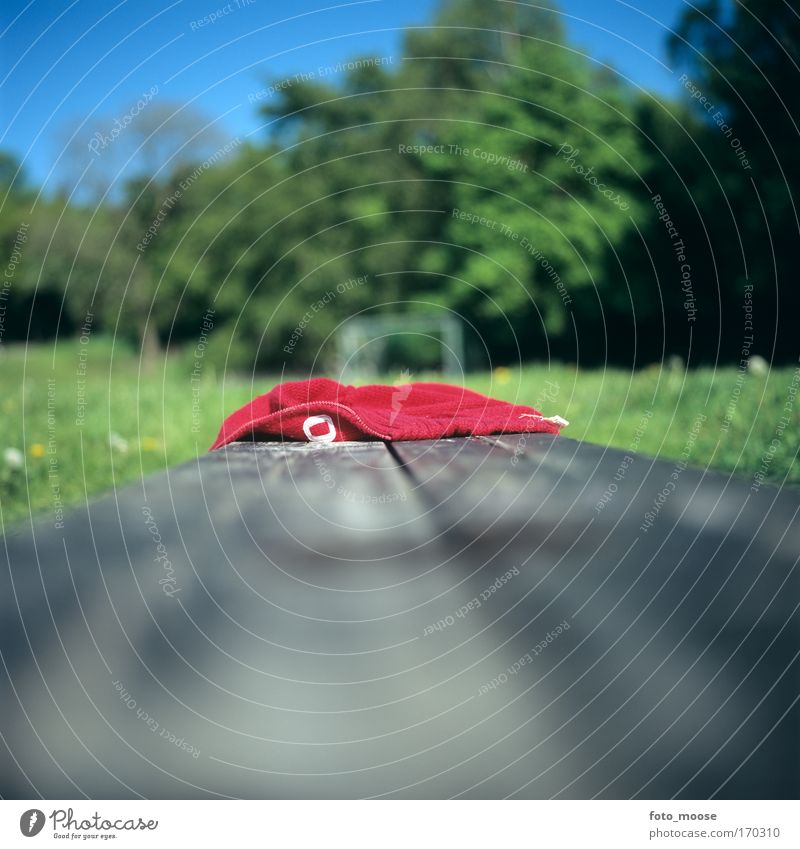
x,y
364,343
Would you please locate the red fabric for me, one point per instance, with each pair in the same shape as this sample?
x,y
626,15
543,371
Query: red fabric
x,y
389,413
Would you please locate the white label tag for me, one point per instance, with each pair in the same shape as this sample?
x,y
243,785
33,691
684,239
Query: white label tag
x,y
312,421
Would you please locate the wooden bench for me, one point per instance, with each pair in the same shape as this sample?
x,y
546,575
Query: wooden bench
x,y
482,617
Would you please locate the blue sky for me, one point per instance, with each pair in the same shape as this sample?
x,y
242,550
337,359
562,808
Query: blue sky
x,y
61,60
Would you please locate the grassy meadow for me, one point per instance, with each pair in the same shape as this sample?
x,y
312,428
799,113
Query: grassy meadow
x,y
78,422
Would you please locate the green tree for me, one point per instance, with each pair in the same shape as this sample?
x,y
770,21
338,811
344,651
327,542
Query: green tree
x,y
385,149
744,61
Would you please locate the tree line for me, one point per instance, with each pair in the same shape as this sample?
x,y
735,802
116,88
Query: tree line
x,y
492,171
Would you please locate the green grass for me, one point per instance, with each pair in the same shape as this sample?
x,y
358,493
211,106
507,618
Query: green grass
x,y
150,412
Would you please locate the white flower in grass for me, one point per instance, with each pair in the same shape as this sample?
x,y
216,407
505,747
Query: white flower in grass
x,y
14,458
757,365
118,443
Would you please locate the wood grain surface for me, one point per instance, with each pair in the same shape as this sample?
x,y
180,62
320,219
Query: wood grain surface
x,y
490,617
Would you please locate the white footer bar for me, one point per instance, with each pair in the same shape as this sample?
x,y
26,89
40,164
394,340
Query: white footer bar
x,y
402,824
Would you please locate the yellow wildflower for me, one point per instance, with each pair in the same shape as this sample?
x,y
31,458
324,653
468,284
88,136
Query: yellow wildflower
x,y
502,375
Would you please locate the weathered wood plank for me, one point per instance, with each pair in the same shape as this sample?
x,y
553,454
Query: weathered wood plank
x,y
341,621
686,630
